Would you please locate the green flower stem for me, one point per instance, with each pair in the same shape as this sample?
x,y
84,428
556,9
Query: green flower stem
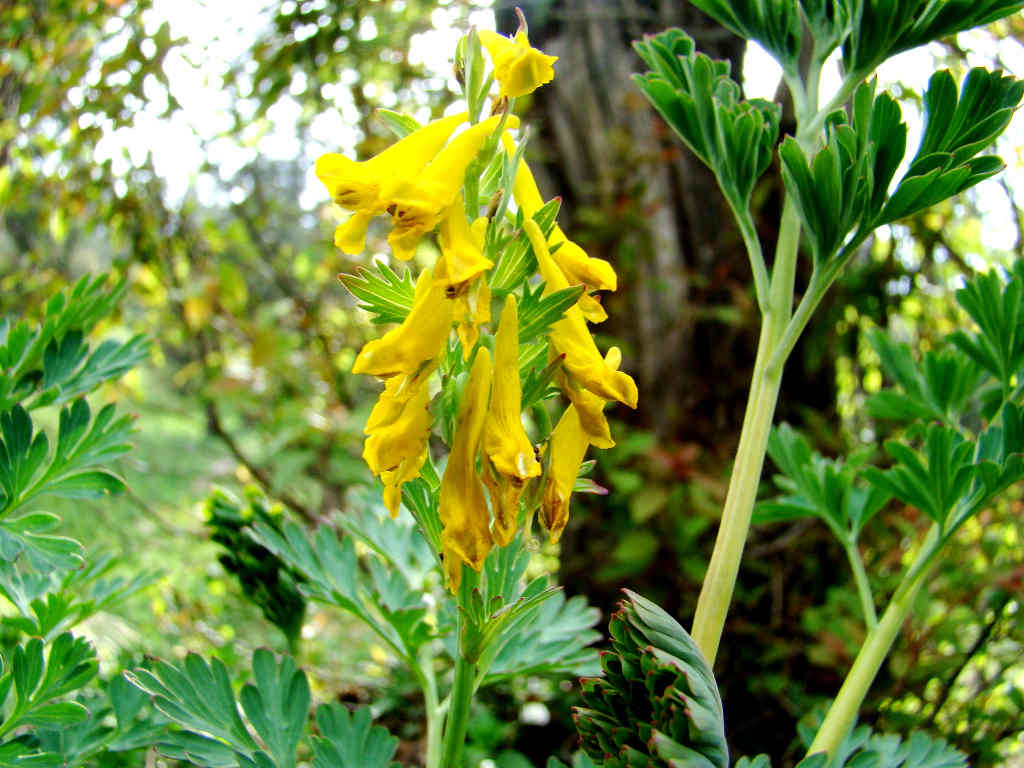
x,y
458,713
860,576
720,580
843,713
424,671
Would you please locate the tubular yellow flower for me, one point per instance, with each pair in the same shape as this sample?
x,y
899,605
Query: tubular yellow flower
x,y
505,440
420,338
570,336
466,537
398,431
357,186
566,448
462,256
519,68
578,268
472,309
420,199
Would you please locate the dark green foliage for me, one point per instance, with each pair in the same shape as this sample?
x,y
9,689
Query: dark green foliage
x,y
938,388
698,99
775,24
882,28
658,703
199,697
843,190
510,629
50,364
38,677
818,487
264,579
955,130
845,184
347,740
997,347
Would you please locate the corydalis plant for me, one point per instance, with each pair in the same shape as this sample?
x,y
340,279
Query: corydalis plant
x,y
447,364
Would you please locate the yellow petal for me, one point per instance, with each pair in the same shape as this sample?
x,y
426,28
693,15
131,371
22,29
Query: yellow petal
x,y
567,447
418,340
578,267
591,308
398,432
519,68
466,536
570,336
590,407
419,200
472,309
505,440
356,185
462,256
505,494
350,236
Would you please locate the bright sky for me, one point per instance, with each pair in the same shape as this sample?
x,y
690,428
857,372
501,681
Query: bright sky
x,y
220,31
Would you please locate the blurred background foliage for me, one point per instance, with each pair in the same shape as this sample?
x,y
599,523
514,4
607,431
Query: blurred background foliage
x,y
173,142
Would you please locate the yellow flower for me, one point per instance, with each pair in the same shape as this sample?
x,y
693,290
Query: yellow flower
x,y
462,256
590,407
419,339
570,336
466,537
357,186
420,199
505,441
472,309
398,431
578,268
518,68
566,448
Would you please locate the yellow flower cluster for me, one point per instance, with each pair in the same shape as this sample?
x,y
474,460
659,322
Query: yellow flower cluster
x,y
492,461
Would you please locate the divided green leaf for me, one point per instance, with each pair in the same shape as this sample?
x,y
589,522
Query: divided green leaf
x,y
701,102
350,740
775,24
955,130
382,293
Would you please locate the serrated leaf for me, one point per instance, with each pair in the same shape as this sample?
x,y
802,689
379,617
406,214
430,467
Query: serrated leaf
x,y
382,292
350,740
198,696
537,313
277,705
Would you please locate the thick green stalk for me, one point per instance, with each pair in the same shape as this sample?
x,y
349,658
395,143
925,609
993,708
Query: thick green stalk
x,y
720,579
458,713
843,712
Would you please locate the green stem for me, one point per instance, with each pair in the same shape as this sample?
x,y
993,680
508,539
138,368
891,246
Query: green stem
x,y
753,245
424,672
843,712
458,712
720,580
860,576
